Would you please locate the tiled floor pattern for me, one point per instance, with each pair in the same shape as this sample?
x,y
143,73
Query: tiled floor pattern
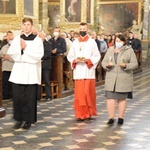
x,y
57,129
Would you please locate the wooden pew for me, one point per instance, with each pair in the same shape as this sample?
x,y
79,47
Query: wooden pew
x,y
56,78
57,73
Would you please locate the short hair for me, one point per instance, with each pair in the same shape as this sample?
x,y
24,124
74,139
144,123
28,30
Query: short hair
x,y
83,24
57,28
122,38
42,31
77,33
64,33
71,30
9,32
27,19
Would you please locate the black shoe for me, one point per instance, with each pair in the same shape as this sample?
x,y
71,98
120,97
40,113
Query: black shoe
x,y
88,120
17,125
26,125
120,121
79,119
110,121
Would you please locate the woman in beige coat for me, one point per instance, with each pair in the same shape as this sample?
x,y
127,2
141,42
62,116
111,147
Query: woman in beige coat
x,y
119,61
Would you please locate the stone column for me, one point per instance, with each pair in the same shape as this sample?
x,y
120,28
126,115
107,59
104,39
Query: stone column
x,y
146,19
148,52
146,27
43,15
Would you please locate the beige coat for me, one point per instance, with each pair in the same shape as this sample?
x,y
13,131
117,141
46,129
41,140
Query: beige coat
x,y
6,64
117,76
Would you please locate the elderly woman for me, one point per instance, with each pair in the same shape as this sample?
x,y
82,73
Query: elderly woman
x,y
119,61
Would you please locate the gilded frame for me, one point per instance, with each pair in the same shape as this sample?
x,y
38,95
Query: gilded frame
x,y
33,10
72,10
84,16
66,25
10,10
137,4
13,21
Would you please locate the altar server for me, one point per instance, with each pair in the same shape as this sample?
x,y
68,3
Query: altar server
x,y
26,50
84,57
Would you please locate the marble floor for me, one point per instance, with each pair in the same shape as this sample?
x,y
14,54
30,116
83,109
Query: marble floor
x,y
57,129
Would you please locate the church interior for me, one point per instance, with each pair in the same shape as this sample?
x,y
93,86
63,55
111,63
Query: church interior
x,y
56,127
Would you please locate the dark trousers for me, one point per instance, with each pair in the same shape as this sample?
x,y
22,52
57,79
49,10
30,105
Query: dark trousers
x,y
66,72
138,54
97,71
6,85
46,81
25,102
103,72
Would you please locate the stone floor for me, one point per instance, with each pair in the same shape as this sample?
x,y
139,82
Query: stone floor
x,y
57,129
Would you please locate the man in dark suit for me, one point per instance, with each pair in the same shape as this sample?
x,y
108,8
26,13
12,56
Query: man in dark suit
x,y
130,39
94,36
58,50
46,65
137,47
58,43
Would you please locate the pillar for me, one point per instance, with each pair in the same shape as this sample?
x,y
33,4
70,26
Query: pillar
x,y
43,15
146,27
146,19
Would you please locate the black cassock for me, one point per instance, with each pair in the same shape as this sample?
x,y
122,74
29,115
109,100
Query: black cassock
x,y
25,98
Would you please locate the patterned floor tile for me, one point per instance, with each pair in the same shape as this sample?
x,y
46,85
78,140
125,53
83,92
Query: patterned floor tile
x,y
18,142
57,129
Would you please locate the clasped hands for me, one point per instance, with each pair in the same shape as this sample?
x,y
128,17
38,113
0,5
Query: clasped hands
x,y
22,44
110,64
5,56
54,51
123,65
80,60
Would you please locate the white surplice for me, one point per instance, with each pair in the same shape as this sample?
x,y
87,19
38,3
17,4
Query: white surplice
x,y
88,50
27,67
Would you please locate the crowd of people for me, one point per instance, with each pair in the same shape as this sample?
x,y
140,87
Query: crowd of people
x,y
26,62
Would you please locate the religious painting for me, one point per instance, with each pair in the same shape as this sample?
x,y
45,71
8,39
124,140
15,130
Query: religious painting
x,y
118,17
7,7
28,8
54,15
73,10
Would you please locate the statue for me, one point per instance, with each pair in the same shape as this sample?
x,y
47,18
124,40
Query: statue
x,y
137,28
100,28
62,21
